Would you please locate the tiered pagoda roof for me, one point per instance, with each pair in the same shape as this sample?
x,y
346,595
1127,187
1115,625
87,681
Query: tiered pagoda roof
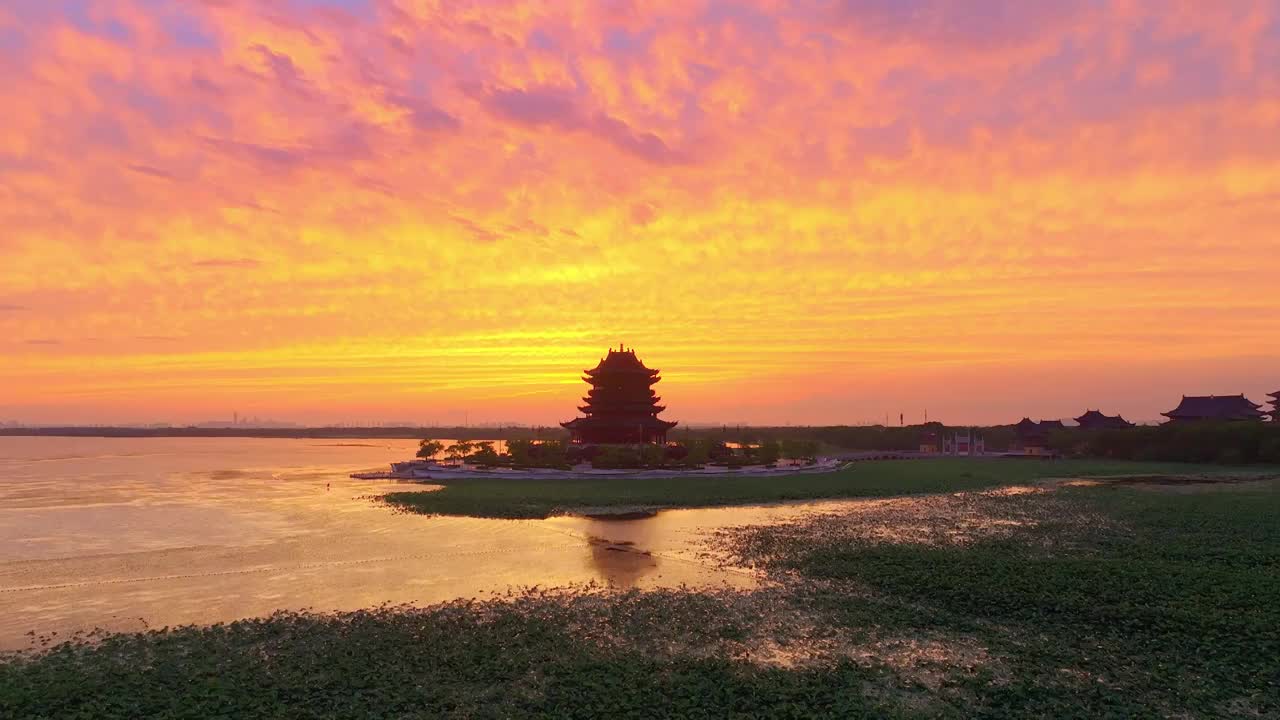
x,y
1095,420
621,406
1220,408
1275,406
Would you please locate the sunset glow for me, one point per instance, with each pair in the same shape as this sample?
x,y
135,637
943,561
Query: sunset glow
x,y
822,211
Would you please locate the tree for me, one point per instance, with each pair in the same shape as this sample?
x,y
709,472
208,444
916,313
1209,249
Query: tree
x,y
769,452
553,453
799,449
460,450
697,451
484,454
652,455
613,457
428,449
520,452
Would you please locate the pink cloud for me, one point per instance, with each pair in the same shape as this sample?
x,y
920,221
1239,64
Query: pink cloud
x,y
860,185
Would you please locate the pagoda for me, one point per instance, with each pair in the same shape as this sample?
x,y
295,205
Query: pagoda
x,y
1275,406
621,406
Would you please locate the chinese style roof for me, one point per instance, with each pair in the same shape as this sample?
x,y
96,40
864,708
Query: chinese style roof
x,y
620,361
1093,419
1028,430
1214,407
648,422
1026,425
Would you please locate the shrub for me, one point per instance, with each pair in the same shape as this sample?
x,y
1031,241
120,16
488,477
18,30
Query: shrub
x,y
542,454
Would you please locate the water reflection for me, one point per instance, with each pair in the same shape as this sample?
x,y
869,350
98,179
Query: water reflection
x,y
134,533
621,566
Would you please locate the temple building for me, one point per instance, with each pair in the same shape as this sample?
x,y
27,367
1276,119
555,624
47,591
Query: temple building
x,y
1214,408
937,440
1275,406
1095,420
621,406
1032,438
930,442
963,442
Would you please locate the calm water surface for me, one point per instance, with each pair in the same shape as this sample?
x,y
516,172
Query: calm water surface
x,y
129,534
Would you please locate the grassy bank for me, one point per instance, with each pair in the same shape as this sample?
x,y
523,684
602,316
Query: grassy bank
x,y
523,498
1108,601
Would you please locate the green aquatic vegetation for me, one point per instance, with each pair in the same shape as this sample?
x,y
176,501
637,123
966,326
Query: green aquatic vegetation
x,y
530,498
1099,600
580,654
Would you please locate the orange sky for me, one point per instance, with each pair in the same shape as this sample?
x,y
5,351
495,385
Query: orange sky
x,y
817,211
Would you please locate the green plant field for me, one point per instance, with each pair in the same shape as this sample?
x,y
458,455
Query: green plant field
x,y
556,656
1103,601
522,498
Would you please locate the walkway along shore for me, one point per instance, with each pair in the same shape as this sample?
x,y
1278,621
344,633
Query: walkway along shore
x,y
432,472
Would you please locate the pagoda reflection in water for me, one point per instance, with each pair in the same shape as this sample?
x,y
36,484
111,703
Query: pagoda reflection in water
x,y
621,406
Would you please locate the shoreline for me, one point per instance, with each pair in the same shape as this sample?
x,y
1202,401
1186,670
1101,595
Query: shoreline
x,y
524,497
442,475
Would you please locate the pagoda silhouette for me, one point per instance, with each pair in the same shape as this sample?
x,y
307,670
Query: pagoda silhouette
x,y
621,406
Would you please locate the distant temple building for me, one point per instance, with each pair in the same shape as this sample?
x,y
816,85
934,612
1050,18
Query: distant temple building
x,y
938,440
621,406
930,442
1032,438
963,442
1214,408
1275,406
1095,420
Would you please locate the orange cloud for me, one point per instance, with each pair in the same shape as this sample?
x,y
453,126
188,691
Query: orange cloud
x,y
338,208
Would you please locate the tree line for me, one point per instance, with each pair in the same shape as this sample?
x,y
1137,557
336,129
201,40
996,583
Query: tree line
x,y
695,452
1228,443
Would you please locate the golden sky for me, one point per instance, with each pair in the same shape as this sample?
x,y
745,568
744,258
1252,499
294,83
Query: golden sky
x,y
816,211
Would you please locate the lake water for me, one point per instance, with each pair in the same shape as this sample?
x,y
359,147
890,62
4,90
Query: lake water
x,y
129,534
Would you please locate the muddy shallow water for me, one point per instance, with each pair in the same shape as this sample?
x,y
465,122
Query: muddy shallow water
x,y
128,534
